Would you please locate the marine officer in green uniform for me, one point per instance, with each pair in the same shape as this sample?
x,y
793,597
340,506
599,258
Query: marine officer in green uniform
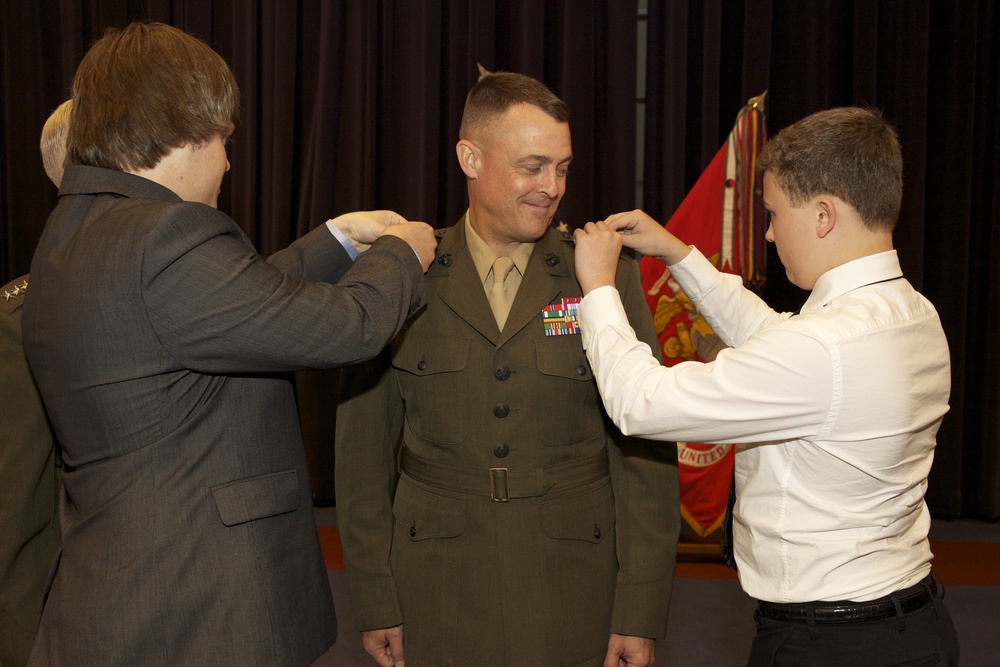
x,y
524,530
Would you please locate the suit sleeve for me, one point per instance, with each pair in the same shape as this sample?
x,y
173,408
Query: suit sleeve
x,y
317,257
240,313
365,483
647,502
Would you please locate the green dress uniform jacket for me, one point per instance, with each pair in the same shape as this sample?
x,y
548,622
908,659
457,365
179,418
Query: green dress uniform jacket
x,y
29,488
524,527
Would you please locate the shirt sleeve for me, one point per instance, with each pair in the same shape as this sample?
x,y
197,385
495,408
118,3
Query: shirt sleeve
x,y
776,385
734,312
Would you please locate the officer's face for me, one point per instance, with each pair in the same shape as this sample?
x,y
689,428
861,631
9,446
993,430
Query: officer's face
x,y
520,177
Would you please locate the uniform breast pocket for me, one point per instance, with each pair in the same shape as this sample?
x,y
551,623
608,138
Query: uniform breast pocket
x,y
569,408
433,383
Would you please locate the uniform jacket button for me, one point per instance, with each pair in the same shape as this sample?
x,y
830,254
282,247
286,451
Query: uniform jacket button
x,y
501,450
413,531
501,410
581,370
421,365
597,533
502,373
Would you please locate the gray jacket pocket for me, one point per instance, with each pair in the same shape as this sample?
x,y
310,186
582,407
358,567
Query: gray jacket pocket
x,y
257,497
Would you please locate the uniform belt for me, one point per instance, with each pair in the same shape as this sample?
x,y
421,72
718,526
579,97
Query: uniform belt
x,y
909,600
502,484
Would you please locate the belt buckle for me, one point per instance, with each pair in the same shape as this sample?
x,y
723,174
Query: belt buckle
x,y
498,485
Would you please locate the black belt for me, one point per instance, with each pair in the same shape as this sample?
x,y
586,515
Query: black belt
x,y
501,484
909,599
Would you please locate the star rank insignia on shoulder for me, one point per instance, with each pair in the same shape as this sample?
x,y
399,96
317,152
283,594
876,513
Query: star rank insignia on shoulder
x,y
562,319
16,289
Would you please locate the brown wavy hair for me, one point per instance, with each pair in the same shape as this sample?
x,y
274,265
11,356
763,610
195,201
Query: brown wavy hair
x,y
143,90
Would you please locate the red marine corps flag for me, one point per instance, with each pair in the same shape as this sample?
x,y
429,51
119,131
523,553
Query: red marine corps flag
x,y
723,216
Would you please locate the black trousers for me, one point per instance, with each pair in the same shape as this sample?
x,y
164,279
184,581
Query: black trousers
x,y
921,638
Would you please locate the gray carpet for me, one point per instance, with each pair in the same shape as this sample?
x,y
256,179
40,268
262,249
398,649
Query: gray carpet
x,y
711,620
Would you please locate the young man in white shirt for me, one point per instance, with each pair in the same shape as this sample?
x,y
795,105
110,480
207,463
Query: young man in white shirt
x,y
834,410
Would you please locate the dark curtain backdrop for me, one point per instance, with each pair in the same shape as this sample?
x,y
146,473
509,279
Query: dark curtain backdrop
x,y
351,104
347,104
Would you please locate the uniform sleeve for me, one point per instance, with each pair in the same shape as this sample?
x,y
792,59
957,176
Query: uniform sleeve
x,y
369,424
647,503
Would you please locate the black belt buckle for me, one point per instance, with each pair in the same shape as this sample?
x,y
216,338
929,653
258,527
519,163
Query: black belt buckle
x,y
499,493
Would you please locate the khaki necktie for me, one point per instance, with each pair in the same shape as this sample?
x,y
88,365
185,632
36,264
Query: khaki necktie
x,y
501,294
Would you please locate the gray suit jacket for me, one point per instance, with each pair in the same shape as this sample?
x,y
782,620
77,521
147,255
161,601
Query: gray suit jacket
x,y
537,581
157,334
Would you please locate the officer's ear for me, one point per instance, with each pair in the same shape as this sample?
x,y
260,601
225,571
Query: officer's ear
x,y
469,158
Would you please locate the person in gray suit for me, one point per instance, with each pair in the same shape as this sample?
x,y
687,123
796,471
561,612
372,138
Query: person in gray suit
x,y
29,463
525,531
159,340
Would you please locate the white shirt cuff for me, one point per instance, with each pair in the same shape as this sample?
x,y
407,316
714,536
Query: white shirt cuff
x,y
352,252
601,307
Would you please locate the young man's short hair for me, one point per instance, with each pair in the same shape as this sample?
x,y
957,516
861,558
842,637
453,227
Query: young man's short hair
x,y
849,152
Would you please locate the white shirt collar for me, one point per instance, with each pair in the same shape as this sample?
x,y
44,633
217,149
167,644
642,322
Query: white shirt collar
x,y
852,275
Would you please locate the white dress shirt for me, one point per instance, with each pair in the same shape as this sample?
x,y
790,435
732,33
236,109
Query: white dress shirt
x,y
835,412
